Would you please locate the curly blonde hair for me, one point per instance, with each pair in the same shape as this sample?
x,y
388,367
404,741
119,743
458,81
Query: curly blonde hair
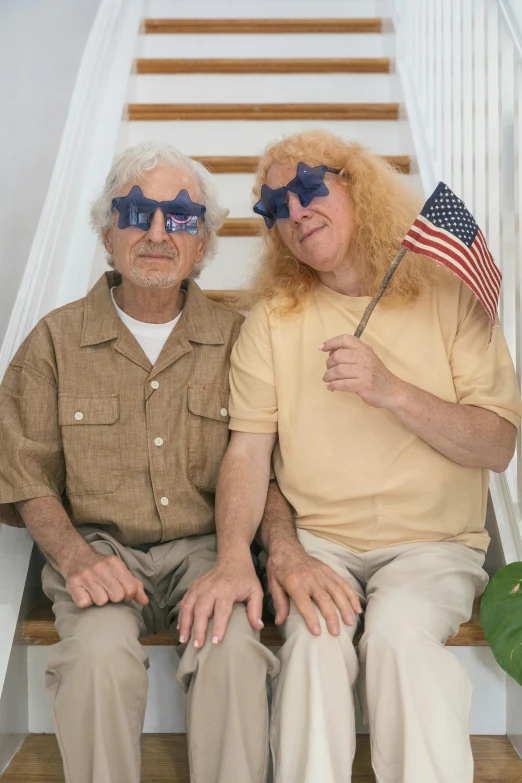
x,y
385,206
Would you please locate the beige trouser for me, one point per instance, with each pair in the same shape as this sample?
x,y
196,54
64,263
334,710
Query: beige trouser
x,y
97,679
416,693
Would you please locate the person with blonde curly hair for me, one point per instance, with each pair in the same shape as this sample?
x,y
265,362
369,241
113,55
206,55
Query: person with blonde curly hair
x,y
381,447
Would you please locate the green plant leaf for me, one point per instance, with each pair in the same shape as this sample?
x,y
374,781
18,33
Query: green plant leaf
x,y
501,618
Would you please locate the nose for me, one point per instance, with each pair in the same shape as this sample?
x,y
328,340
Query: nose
x,y
156,232
296,211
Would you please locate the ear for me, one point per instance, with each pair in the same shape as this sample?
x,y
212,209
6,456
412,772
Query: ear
x,y
201,250
107,240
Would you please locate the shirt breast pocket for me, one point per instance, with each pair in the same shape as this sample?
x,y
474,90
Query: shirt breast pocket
x,y
90,429
208,435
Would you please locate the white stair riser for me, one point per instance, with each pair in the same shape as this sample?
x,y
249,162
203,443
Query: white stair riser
x,y
268,9
266,45
233,264
235,193
166,702
264,88
250,137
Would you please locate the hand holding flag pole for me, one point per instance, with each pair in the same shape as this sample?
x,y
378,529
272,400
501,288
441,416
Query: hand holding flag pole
x,y
446,232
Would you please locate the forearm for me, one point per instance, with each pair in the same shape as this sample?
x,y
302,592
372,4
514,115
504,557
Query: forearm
x,y
470,436
240,500
53,531
277,531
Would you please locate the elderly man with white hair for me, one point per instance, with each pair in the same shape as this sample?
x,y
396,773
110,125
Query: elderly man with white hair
x,y
114,421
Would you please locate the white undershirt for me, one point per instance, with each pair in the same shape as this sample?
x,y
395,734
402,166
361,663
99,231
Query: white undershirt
x,y
151,337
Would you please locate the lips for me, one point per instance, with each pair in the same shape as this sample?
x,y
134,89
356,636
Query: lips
x,y
311,233
154,255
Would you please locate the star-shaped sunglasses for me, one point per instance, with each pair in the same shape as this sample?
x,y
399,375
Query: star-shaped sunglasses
x,y
181,214
307,184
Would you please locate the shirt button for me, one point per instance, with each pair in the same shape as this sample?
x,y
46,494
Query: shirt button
x,y
158,441
154,384
164,501
223,411
78,415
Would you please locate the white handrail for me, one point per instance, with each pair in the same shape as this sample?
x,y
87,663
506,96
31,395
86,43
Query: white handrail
x,y
460,63
59,265
512,26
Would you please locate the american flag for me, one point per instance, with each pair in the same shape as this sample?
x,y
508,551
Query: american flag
x,y
448,233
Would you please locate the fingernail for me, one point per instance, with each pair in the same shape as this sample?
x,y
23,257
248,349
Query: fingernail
x,y
177,627
260,624
317,630
196,643
182,639
321,346
215,640
336,631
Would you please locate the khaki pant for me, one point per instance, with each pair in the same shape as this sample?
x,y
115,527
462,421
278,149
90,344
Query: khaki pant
x,y
97,678
416,694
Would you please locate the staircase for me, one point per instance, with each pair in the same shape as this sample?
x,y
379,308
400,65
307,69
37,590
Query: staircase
x,y
257,79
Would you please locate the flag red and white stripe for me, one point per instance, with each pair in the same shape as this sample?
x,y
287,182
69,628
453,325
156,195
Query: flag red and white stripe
x,y
448,233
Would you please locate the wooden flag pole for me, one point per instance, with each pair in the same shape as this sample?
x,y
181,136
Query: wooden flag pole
x,y
382,288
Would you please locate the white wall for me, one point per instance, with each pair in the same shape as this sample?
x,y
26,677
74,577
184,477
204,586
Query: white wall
x,y
41,44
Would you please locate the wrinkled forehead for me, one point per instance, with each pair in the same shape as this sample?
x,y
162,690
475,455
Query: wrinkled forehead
x,y
163,183
280,173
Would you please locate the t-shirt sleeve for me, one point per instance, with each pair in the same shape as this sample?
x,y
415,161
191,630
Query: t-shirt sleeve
x,y
484,375
32,463
253,398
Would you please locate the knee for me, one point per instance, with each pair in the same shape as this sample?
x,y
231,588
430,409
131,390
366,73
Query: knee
x,y
239,648
325,649
103,641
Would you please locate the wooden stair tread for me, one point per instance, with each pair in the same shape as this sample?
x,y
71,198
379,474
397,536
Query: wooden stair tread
x,y
165,758
265,65
38,628
274,26
243,164
240,227
263,111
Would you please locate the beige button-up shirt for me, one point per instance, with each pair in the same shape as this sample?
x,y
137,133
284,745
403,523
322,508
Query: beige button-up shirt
x,y
127,446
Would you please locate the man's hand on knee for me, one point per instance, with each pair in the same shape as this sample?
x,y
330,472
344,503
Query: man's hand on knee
x,y
307,581
97,579
215,595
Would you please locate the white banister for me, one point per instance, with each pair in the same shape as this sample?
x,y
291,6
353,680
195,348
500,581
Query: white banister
x,y
460,63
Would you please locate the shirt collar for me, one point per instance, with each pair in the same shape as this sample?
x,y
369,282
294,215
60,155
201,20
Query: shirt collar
x,y
101,322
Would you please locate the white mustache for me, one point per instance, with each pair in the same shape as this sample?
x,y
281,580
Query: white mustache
x,y
159,249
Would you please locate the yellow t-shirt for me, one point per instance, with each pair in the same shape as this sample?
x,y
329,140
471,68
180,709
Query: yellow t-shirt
x,y
353,473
